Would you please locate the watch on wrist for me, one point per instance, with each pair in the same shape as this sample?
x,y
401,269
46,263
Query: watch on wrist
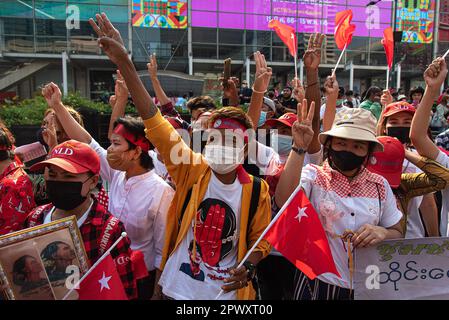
x,y
299,151
251,268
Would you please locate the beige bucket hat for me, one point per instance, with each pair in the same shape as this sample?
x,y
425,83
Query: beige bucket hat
x,y
355,124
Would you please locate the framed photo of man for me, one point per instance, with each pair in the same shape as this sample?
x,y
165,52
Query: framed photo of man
x,y
41,263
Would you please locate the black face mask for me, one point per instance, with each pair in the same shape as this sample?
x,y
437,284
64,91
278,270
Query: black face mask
x,y
65,195
345,160
401,133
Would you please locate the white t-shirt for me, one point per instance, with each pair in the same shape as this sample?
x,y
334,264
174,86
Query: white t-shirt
x,y
184,279
415,227
141,203
443,159
342,204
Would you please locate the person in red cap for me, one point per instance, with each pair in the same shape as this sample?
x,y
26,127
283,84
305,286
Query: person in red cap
x,y
211,223
405,186
137,195
395,121
16,189
71,174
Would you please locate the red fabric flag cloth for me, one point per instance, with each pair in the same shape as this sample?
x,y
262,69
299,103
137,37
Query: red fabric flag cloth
x,y
299,236
286,33
140,268
103,283
388,43
343,28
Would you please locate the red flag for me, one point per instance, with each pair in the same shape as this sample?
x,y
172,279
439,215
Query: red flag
x,y
299,236
388,43
287,35
103,283
343,28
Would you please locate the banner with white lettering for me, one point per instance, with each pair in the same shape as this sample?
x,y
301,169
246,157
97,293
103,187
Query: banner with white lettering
x,y
403,270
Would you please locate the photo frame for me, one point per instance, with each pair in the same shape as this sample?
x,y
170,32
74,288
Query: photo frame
x,y
35,263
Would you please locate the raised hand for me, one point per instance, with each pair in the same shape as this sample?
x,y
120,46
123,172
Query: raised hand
x,y
109,39
302,131
52,94
386,98
152,66
436,73
112,101
104,28
49,133
331,86
263,73
230,91
121,90
298,90
312,56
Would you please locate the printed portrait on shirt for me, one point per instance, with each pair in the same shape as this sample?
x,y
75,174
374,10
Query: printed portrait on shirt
x,y
215,235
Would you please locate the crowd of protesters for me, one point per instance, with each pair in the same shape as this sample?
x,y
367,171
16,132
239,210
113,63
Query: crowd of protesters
x,y
194,197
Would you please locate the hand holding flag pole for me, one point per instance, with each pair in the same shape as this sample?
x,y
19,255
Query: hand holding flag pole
x,y
123,235
264,233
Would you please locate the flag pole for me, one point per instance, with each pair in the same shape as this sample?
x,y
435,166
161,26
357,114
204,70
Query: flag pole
x,y
265,232
338,62
296,57
123,235
447,52
388,77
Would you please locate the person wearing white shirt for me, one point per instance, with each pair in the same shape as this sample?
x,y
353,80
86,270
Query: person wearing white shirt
x,y
137,195
357,208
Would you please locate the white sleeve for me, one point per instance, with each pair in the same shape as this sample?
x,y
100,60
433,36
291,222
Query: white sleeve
x,y
390,215
308,177
314,158
443,159
106,172
267,160
160,223
322,111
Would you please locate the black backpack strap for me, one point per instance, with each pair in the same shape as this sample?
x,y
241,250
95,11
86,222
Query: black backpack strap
x,y
184,206
255,196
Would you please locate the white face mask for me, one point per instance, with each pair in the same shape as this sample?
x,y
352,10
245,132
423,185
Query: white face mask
x,y
223,159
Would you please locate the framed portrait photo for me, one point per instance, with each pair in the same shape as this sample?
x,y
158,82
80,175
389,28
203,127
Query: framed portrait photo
x,y
37,263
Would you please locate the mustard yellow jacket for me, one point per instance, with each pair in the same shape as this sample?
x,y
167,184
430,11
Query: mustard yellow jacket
x,y
194,173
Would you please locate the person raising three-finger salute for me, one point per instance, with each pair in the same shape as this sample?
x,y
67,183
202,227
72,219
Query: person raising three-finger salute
x,y
352,203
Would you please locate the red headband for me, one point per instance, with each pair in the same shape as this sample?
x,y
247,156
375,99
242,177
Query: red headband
x,y
142,142
231,124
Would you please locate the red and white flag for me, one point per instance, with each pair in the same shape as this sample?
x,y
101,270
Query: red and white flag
x,y
103,283
299,236
287,34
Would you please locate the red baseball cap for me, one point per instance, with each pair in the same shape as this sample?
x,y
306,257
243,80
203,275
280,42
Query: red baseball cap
x,y
287,119
72,156
388,163
396,107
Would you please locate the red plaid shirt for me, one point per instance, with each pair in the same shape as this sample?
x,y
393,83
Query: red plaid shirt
x,y
16,198
99,232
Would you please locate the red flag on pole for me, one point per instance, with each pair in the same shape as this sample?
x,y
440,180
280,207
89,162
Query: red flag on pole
x,y
388,43
103,283
299,236
343,28
287,35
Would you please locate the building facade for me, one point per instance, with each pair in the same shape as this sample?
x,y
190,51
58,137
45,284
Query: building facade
x,y
191,38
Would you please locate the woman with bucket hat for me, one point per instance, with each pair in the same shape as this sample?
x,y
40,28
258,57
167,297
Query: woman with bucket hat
x,y
356,207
